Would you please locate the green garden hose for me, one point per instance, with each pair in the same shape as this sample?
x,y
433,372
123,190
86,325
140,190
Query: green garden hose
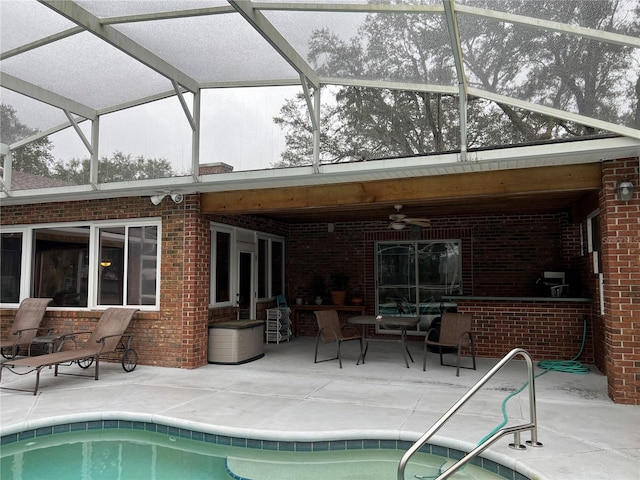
x,y
567,366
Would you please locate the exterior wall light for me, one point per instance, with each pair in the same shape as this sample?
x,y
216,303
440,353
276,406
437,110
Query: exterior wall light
x,y
176,197
625,190
156,199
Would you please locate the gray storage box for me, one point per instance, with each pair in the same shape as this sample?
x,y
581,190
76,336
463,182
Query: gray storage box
x,y
235,342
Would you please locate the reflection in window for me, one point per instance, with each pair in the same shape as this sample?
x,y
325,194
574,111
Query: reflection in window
x,y
142,265
277,268
123,269
412,278
137,248
10,267
61,265
222,266
263,258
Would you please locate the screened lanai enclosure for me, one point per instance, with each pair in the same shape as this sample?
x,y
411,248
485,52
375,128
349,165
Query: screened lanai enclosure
x,y
99,94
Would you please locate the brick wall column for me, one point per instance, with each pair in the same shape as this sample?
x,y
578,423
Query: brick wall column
x,y
620,243
195,285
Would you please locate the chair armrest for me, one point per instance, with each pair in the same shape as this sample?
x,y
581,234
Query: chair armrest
x,y
19,332
426,336
350,327
67,336
102,339
335,334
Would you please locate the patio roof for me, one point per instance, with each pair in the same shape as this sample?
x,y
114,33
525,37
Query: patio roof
x,y
68,62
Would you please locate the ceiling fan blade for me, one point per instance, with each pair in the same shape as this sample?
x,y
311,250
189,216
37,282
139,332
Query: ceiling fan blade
x,y
423,222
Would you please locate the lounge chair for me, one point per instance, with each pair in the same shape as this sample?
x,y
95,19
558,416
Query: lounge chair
x,y
455,334
105,339
329,331
25,325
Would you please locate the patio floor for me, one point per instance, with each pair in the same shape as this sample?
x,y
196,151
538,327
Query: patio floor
x,y
285,396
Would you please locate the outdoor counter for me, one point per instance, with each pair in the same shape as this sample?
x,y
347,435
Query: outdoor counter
x,y
549,328
456,298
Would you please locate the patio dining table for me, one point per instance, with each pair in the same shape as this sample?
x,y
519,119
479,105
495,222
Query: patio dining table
x,y
398,322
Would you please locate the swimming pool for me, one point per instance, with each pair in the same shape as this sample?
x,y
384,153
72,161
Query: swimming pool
x,y
108,449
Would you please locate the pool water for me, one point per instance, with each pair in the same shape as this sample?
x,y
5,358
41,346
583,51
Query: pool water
x,y
130,454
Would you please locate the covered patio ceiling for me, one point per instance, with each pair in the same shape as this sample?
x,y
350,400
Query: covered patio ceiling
x,y
540,189
74,61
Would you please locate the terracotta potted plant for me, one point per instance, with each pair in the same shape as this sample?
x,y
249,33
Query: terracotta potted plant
x,y
338,288
357,299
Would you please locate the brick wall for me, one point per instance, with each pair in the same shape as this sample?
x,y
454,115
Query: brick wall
x,y
501,254
547,330
145,340
620,244
177,335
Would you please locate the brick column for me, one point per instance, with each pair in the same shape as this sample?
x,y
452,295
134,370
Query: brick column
x,y
620,243
195,299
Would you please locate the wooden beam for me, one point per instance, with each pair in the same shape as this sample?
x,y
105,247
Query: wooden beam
x,y
525,181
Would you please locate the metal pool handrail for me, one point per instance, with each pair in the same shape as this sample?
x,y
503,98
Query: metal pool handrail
x,y
532,425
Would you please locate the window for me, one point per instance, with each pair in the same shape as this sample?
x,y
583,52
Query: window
x,y
10,266
263,268
137,248
61,265
221,256
82,265
594,240
277,268
413,277
228,271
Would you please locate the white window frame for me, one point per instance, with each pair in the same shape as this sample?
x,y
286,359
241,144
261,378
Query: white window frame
x,y
448,305
233,274
233,269
26,272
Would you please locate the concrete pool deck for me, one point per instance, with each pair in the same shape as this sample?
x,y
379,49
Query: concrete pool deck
x,y
285,396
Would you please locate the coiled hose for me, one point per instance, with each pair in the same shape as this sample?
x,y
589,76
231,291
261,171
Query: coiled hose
x,y
567,366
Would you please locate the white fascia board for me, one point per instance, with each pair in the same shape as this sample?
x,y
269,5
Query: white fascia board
x,y
46,96
567,153
103,190
91,23
554,112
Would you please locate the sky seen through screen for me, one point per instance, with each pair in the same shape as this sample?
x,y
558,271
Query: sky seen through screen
x,y
236,128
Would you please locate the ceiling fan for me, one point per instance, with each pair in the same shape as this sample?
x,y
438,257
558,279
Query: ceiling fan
x,y
399,220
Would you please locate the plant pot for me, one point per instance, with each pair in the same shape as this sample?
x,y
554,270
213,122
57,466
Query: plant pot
x,y
338,297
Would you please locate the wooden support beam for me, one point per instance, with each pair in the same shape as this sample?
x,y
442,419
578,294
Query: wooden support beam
x,y
484,184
